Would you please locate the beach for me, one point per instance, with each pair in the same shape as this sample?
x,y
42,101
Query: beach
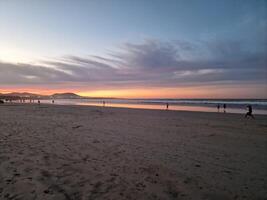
x,y
85,152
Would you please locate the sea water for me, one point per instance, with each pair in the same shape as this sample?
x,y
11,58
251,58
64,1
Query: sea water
x,y
201,105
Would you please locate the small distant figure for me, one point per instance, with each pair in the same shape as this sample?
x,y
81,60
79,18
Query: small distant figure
x,y
218,107
249,113
39,102
104,103
224,108
167,106
53,101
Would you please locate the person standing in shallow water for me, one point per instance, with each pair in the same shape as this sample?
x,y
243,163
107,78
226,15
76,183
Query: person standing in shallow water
x,y
224,108
218,107
249,113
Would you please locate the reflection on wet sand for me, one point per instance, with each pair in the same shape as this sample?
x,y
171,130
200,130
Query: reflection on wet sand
x,y
195,108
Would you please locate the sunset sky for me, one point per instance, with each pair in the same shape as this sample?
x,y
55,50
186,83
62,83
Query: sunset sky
x,y
135,48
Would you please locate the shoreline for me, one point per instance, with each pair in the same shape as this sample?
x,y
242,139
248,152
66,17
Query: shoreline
x,y
161,107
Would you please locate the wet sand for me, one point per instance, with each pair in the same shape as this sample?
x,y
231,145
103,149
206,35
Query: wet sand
x,y
81,152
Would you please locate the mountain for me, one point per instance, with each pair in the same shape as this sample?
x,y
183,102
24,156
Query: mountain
x,y
67,95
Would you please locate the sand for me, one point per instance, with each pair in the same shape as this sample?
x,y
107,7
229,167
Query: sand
x,y
81,152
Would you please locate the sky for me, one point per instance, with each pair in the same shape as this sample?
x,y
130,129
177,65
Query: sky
x,y
141,48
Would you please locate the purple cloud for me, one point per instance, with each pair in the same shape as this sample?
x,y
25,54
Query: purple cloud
x,y
153,62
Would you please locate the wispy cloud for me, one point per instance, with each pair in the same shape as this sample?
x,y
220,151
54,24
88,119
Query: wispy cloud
x,y
152,62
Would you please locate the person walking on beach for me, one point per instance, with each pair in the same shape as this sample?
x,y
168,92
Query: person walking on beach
x,y
104,103
39,102
249,113
224,108
218,107
167,106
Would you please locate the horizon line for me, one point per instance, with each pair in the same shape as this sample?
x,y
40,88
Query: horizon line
x,y
99,97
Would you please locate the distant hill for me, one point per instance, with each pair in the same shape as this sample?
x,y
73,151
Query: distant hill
x,y
23,94
66,96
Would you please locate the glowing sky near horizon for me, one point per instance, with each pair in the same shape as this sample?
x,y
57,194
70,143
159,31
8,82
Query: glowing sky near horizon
x,y
143,48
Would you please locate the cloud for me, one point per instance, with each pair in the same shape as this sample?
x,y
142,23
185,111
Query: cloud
x,y
151,63
27,73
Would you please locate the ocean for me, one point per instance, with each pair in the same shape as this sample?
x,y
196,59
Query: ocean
x,y
201,105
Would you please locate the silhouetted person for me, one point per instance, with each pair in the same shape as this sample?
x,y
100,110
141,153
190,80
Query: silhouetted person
x,y
104,103
53,101
218,107
224,107
249,113
39,102
167,106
